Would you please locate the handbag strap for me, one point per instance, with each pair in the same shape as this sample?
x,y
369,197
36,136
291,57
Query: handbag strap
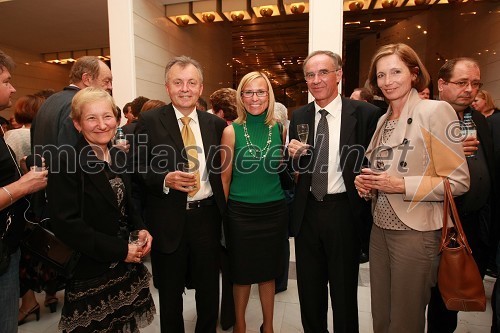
x,y
449,204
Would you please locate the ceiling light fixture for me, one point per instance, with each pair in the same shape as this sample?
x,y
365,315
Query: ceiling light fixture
x,y
356,5
236,10
265,8
66,57
207,11
389,3
294,7
352,22
180,14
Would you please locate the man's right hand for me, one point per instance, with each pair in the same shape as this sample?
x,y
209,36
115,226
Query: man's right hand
x,y
297,148
180,181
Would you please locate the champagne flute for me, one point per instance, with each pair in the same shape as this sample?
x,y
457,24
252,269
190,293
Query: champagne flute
x,y
303,132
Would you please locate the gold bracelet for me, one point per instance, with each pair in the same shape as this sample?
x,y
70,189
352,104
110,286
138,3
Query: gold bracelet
x,y
10,194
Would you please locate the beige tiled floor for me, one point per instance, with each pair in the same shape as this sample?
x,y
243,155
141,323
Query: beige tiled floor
x,y
287,311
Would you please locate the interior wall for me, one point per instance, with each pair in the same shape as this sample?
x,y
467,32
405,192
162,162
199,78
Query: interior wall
x,y
449,35
157,40
33,74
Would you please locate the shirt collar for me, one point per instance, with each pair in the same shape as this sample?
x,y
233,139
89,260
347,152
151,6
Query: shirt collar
x,y
333,108
193,115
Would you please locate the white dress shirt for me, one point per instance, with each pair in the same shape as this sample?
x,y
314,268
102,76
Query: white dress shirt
x,y
205,189
334,109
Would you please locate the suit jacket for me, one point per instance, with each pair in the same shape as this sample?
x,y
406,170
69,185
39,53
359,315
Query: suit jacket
x,y
358,122
159,150
494,123
52,124
423,148
90,224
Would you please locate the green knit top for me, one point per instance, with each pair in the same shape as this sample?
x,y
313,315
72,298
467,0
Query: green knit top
x,y
255,179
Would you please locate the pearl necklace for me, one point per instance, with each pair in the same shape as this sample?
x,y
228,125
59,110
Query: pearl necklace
x,y
251,146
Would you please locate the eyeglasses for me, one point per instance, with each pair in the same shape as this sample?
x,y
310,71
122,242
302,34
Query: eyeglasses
x,y
250,93
463,84
321,74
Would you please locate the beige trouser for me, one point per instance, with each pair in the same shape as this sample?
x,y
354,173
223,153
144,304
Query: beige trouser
x,y
403,268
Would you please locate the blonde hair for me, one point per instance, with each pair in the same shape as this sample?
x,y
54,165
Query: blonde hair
x,y
487,99
240,107
90,95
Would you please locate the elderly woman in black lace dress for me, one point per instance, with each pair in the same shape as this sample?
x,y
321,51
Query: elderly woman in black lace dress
x,y
89,200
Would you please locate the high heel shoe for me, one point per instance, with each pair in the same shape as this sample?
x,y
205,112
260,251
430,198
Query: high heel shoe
x,y
262,328
35,310
51,303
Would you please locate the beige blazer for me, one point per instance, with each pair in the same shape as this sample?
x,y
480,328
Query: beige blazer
x,y
424,147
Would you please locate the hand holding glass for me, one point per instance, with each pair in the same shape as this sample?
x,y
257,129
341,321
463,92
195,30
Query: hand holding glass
x,y
191,169
138,237
373,171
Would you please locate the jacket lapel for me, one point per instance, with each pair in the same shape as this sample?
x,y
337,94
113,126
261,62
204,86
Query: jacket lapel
x,y
93,171
347,124
169,121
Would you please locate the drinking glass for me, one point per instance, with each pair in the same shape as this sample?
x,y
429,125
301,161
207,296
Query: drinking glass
x,y
188,168
375,169
138,237
303,132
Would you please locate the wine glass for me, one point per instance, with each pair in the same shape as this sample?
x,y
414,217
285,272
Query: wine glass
x,y
303,132
138,237
376,169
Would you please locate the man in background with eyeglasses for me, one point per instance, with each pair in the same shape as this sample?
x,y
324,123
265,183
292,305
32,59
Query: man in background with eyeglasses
x,y
458,84
327,210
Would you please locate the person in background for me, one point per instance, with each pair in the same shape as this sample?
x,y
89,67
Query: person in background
x,y
257,214
459,81
126,112
13,123
45,93
184,210
494,123
201,104
224,104
109,289
25,110
425,93
362,94
13,188
152,104
407,195
483,102
4,123
327,211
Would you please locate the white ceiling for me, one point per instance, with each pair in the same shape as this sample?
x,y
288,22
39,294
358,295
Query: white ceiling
x,y
44,26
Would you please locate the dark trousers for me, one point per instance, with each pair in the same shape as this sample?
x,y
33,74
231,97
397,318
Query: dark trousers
x,y
199,254
327,252
439,318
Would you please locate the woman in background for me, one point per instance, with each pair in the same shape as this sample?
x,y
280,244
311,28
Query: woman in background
x,y
484,103
25,111
109,290
257,213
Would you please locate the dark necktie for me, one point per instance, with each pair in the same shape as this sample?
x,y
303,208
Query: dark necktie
x,y
319,184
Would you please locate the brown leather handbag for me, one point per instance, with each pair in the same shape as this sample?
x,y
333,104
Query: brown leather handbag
x,y
459,281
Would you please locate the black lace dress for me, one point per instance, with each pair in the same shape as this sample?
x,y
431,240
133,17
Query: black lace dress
x,y
117,301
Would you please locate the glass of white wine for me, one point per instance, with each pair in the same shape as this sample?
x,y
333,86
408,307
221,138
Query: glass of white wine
x,y
303,132
138,237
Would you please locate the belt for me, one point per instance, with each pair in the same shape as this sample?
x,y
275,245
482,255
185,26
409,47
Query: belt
x,y
330,197
200,203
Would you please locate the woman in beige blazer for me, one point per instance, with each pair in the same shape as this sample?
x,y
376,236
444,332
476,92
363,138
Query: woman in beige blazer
x,y
415,145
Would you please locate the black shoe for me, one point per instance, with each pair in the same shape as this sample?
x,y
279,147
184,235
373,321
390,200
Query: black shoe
x,y
363,257
491,273
262,328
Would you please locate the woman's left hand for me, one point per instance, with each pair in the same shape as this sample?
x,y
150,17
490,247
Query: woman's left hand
x,y
381,181
147,247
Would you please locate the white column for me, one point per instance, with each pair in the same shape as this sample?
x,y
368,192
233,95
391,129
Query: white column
x,y
326,27
121,41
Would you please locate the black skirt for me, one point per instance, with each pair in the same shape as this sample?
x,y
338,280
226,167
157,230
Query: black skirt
x,y
256,234
117,301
